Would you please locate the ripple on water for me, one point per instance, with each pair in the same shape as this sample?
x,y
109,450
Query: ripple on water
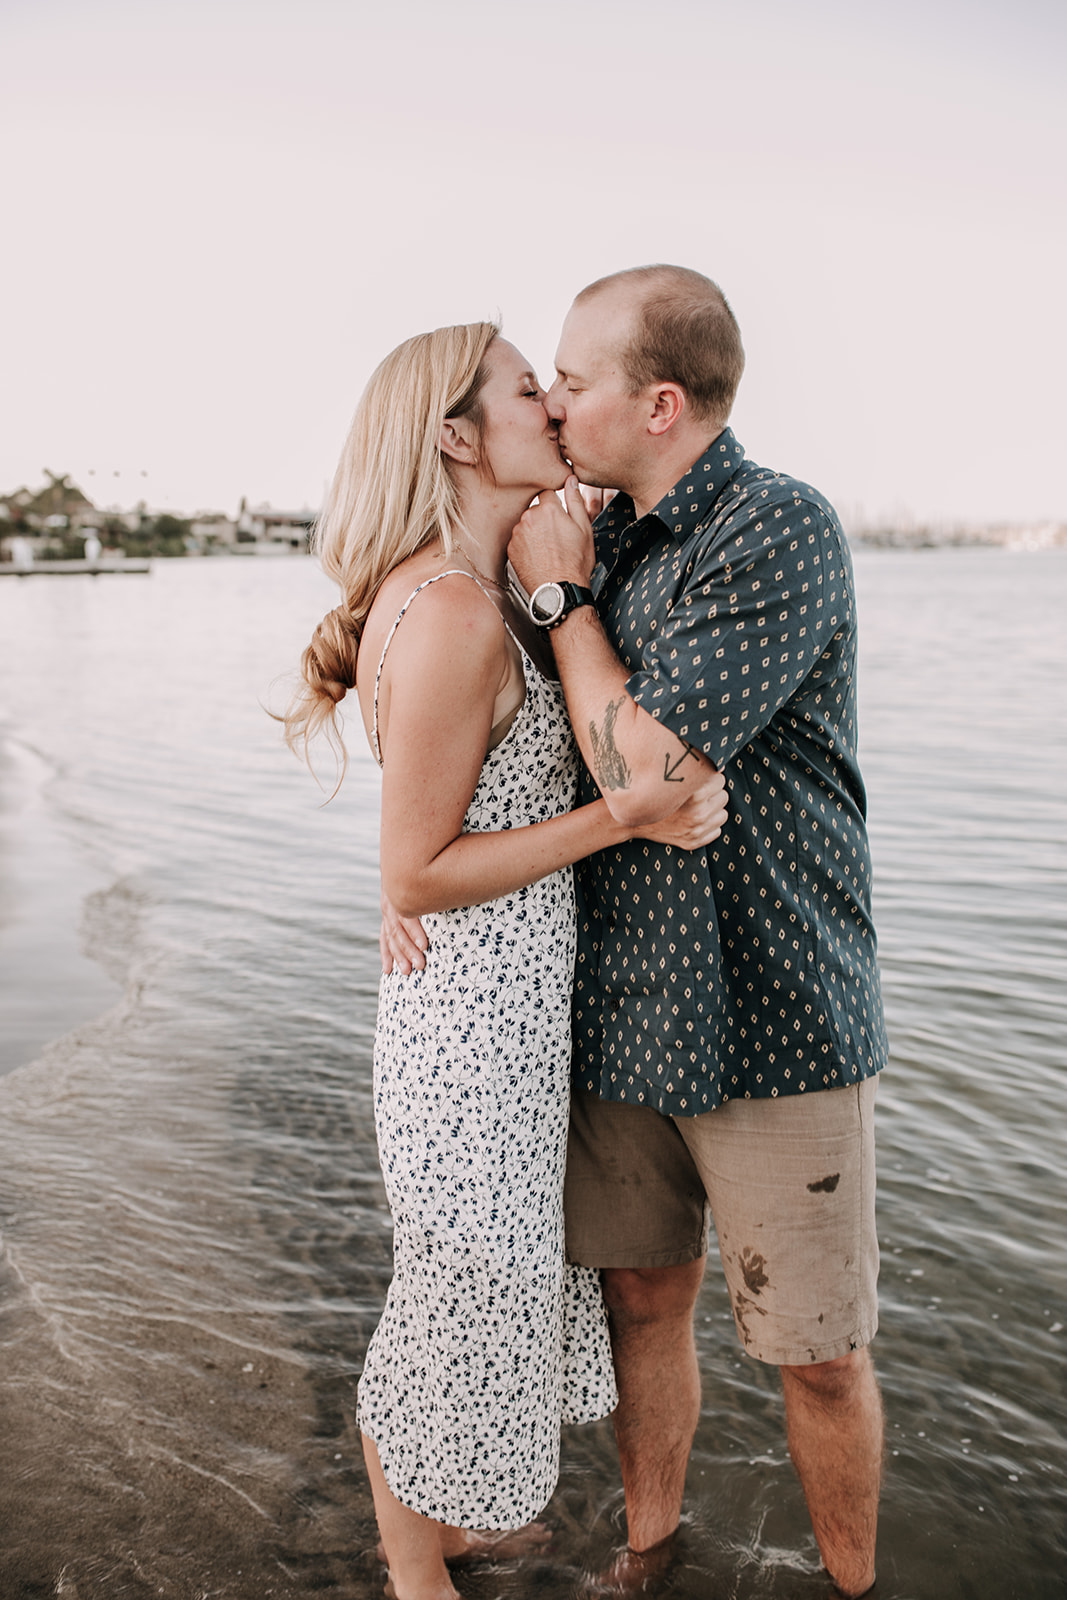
x,y
195,1238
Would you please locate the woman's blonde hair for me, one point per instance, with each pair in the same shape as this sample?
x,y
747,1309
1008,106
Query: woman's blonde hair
x,y
392,493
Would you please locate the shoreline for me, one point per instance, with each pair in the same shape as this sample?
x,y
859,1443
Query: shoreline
x,y
96,569
48,983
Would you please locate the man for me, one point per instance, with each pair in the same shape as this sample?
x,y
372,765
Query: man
x,y
728,1021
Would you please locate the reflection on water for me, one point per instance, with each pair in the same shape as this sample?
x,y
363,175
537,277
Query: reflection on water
x,y
195,1239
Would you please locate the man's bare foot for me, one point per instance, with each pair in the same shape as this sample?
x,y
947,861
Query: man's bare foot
x,y
630,1572
850,1594
460,1545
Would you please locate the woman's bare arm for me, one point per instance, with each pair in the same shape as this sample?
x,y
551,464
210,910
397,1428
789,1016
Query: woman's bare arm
x,y
445,663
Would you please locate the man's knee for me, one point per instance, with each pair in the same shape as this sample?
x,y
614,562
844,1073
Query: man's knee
x,y
832,1382
644,1296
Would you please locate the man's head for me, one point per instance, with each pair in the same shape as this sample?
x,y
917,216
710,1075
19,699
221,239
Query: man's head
x,y
648,365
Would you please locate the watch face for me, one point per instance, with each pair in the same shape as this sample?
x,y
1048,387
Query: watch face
x,y
546,604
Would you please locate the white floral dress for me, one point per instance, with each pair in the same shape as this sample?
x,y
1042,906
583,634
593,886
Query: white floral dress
x,y
489,1339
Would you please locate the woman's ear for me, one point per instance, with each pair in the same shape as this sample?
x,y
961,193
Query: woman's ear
x,y
455,441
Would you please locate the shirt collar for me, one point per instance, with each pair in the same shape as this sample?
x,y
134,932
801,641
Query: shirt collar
x,y
685,503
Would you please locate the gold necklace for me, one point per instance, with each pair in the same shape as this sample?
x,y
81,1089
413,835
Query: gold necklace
x,y
479,573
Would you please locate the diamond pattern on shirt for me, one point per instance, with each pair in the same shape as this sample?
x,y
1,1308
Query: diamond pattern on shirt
x,y
749,968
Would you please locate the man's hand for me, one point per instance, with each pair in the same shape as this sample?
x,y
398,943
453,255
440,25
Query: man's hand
x,y
551,545
401,940
698,821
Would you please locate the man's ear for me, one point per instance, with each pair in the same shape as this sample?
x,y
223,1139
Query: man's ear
x,y
456,442
668,404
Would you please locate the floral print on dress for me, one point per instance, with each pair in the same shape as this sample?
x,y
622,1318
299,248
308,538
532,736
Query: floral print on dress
x,y
489,1339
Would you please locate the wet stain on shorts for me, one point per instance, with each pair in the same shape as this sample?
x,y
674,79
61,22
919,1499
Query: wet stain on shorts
x,y
742,1307
825,1185
753,1265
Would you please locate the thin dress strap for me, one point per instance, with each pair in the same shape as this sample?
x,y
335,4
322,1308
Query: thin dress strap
x,y
451,572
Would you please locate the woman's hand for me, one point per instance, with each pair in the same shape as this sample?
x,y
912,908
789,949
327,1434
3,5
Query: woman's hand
x,y
401,940
698,821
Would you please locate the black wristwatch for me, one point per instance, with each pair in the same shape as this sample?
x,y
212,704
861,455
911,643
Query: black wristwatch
x,y
550,602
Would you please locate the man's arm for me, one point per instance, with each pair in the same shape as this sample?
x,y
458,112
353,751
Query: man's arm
x,y
644,771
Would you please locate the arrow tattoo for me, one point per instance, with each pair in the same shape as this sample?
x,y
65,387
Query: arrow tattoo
x,y
669,771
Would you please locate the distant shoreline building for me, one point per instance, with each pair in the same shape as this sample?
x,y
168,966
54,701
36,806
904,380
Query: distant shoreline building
x,y
1006,536
264,525
48,523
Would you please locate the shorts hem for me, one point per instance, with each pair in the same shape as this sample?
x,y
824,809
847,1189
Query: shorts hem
x,y
813,1355
640,1259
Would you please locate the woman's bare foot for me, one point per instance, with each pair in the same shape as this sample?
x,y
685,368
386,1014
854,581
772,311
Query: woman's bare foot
x,y
390,1592
460,1545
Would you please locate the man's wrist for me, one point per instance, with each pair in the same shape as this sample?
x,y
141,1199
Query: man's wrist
x,y
550,601
586,609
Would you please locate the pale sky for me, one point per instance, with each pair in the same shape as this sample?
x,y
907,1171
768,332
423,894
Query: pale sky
x,y
219,216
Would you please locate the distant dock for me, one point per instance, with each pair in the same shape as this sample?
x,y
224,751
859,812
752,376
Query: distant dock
x,y
96,569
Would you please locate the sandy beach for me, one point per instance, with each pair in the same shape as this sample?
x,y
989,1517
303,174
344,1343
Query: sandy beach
x,y
177,1430
209,1480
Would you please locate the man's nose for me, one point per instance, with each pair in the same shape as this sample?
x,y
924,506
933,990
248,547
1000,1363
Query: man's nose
x,y
553,403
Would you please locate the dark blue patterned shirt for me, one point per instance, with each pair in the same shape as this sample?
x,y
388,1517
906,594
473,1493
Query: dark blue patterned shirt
x,y
749,968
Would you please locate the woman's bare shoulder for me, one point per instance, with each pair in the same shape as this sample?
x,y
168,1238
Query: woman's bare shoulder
x,y
432,602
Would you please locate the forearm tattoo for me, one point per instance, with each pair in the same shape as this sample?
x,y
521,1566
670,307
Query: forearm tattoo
x,y
669,770
611,770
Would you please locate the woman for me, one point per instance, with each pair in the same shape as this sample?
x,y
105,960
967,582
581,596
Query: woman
x,y
488,1339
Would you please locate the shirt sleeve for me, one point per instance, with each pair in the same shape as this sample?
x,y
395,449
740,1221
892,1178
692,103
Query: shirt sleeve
x,y
762,602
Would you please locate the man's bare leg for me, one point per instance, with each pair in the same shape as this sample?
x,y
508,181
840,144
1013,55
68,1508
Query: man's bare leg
x,y
650,1312
834,1417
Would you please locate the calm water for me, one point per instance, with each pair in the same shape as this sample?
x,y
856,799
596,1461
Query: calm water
x,y
195,1244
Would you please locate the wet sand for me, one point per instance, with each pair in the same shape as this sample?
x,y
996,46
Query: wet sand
x,y
222,1482
171,1435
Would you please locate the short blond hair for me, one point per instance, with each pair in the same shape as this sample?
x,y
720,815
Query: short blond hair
x,y
683,332
392,493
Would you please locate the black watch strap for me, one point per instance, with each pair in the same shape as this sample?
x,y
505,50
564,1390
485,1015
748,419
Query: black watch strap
x,y
550,602
574,597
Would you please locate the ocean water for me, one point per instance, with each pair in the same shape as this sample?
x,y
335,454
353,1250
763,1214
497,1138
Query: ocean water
x,y
195,1244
